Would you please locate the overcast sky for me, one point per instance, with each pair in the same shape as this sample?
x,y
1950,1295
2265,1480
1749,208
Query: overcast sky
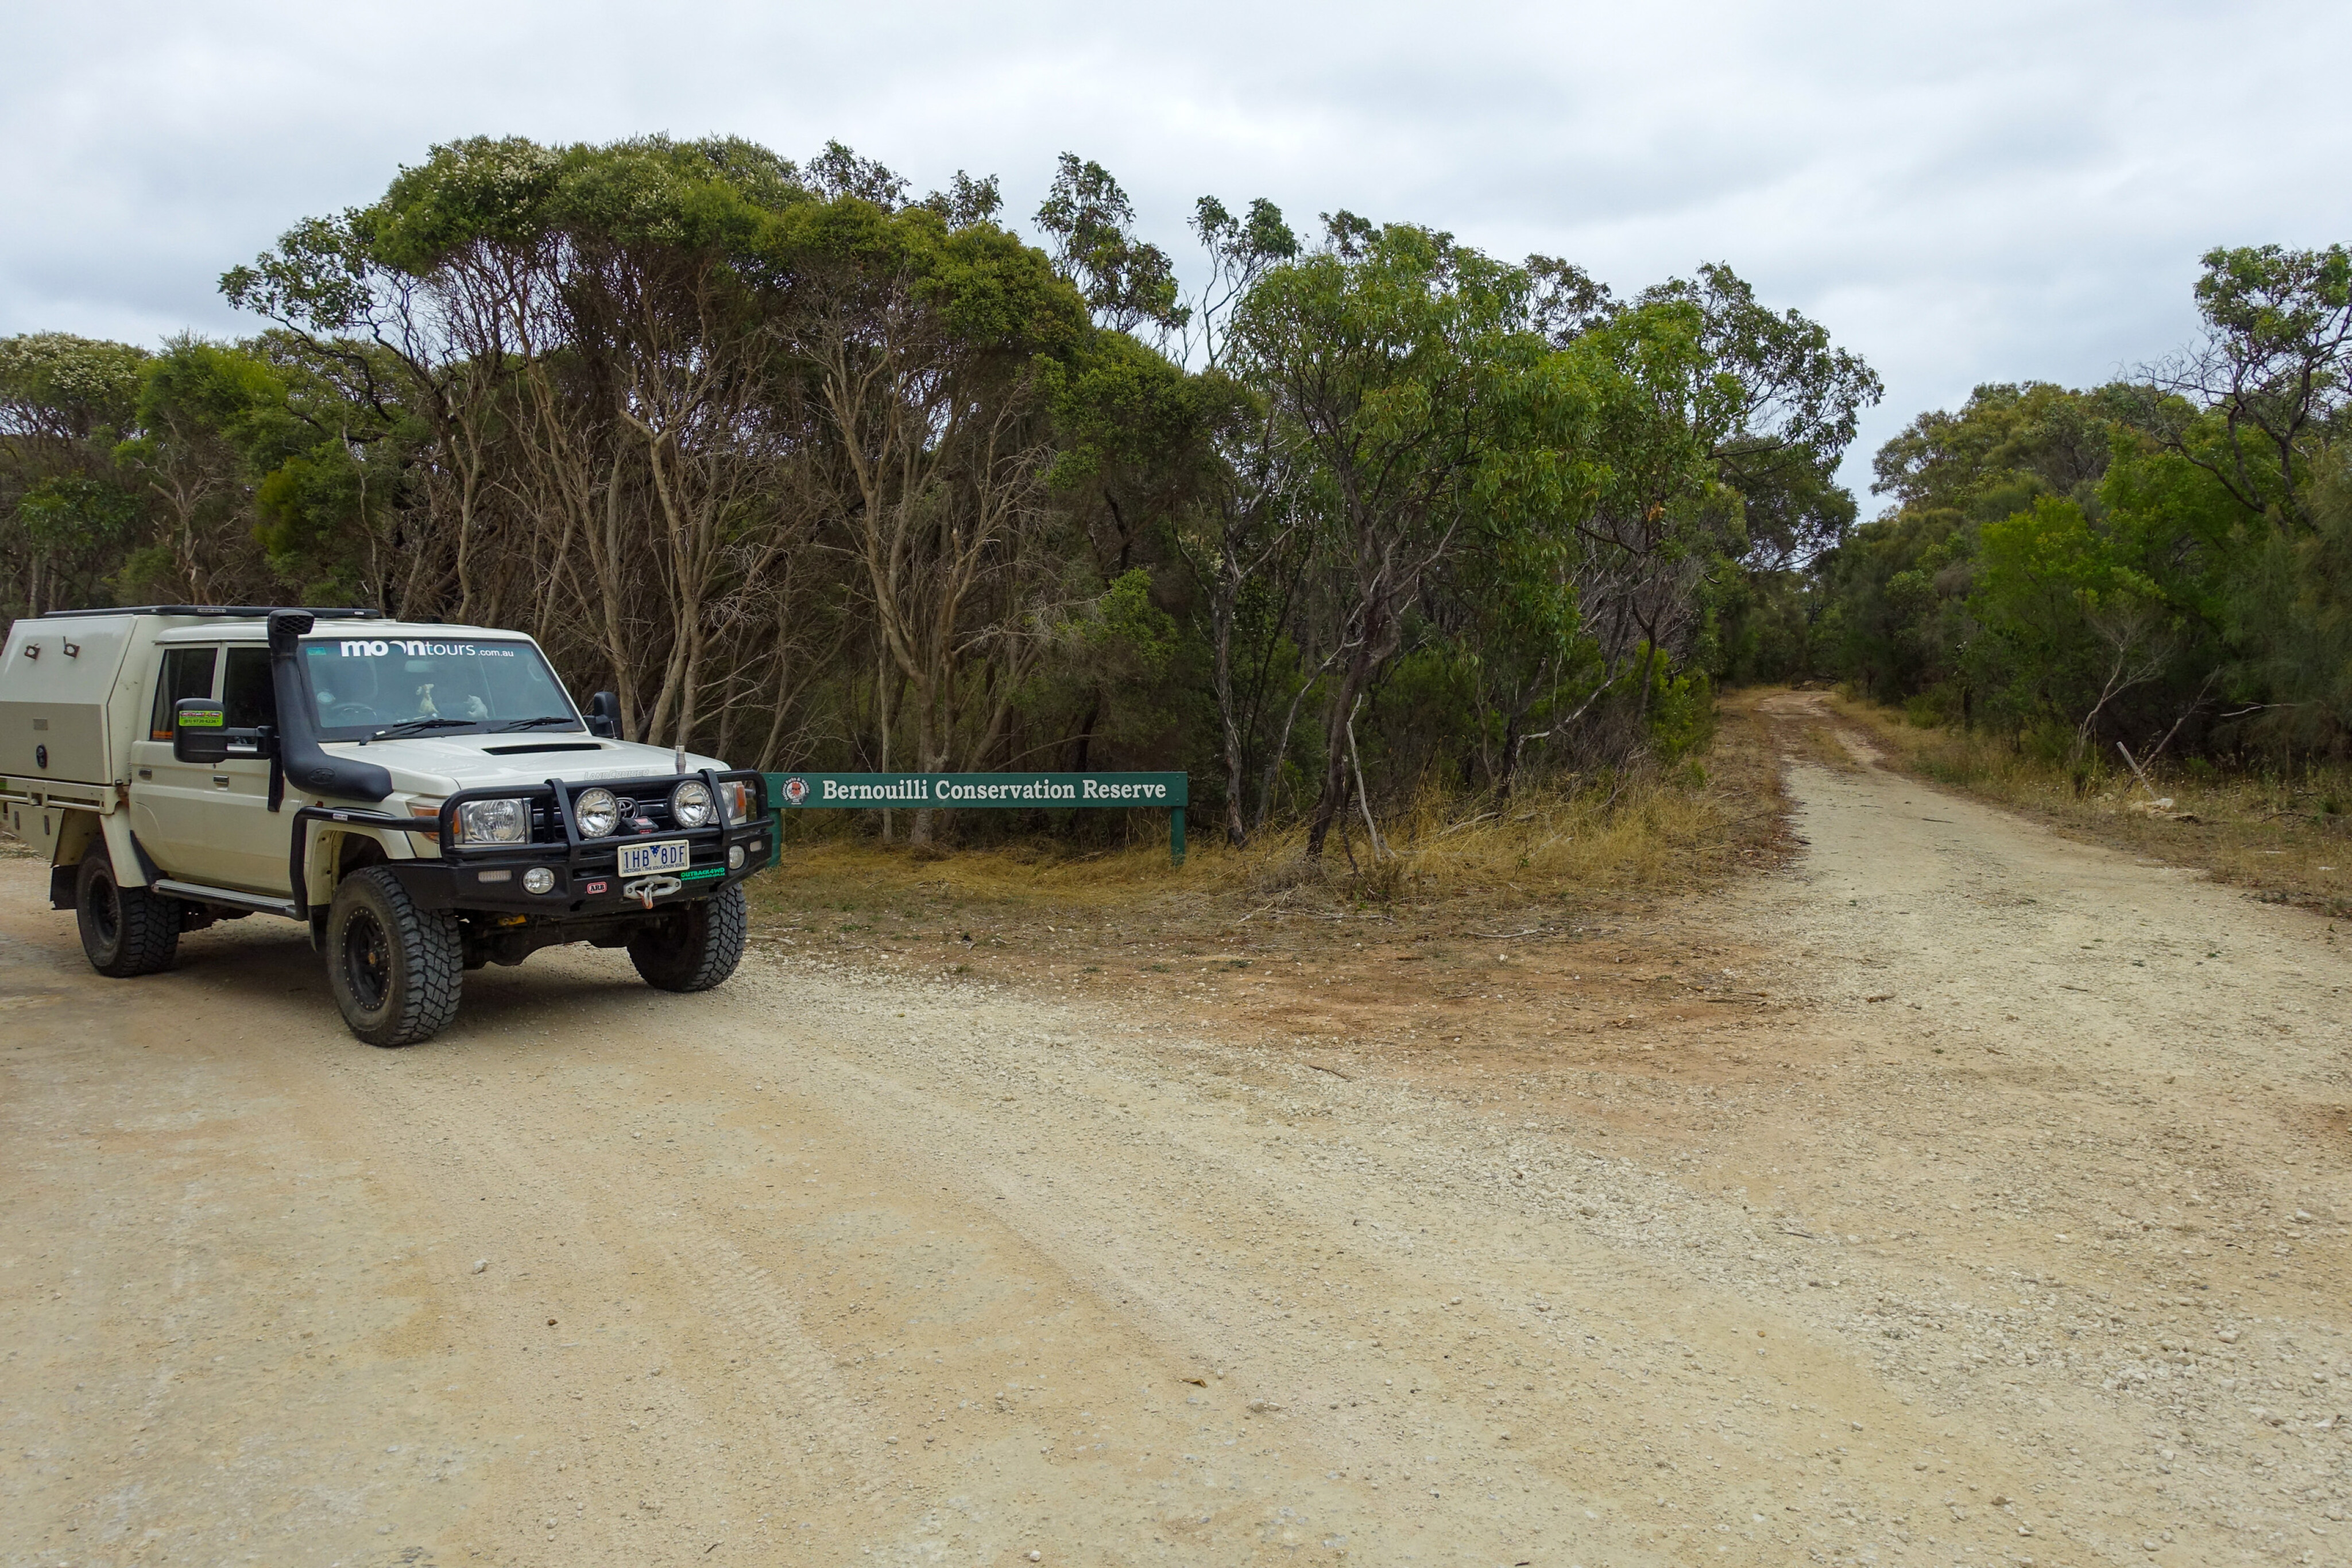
x,y
1961,192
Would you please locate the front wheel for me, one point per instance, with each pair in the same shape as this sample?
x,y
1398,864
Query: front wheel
x,y
694,946
125,931
396,970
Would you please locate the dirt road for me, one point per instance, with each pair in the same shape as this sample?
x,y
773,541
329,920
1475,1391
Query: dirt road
x,y
2007,1224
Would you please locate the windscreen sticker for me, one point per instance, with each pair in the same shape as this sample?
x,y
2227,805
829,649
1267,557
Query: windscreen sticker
x,y
380,648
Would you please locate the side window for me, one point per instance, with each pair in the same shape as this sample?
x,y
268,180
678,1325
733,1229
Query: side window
x,y
187,672
246,691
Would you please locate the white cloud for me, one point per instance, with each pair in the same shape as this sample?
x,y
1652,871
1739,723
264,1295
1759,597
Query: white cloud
x,y
1961,193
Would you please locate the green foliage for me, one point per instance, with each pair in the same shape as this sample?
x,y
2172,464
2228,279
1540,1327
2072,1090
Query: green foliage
x,y
2271,374
72,513
1127,282
63,388
1682,713
812,472
1762,629
1124,628
2066,616
2154,562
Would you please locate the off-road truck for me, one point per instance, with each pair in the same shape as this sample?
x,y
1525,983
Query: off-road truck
x,y
426,798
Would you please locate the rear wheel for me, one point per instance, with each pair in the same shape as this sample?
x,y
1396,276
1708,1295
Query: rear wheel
x,y
396,970
125,931
694,946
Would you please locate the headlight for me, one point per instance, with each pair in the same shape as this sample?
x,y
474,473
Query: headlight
x,y
505,821
690,805
598,814
735,798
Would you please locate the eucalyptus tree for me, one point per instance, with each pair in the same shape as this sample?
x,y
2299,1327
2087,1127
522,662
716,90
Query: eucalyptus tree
x,y
1128,283
1241,536
211,421
1241,248
64,401
2273,372
414,308
920,343
1723,425
1426,410
577,334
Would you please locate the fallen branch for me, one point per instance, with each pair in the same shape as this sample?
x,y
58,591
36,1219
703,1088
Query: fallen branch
x,y
2137,773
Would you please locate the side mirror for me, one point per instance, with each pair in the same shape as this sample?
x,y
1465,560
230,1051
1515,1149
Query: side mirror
x,y
200,733
605,715
198,730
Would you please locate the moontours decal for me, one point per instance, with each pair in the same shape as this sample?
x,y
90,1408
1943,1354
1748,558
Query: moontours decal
x,y
411,648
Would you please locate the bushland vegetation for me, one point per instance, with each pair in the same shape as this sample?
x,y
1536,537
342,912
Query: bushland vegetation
x,y
1371,532
2156,572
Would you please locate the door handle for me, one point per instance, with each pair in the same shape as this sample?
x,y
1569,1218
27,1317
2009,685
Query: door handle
x,y
220,780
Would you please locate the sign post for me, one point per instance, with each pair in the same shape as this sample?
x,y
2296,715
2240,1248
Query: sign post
x,y
1169,792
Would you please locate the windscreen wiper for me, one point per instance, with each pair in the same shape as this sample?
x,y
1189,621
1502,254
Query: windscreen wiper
x,y
540,723
414,726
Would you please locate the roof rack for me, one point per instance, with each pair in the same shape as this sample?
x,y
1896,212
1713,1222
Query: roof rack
x,y
224,612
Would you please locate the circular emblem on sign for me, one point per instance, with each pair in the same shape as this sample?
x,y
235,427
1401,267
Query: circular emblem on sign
x,y
795,790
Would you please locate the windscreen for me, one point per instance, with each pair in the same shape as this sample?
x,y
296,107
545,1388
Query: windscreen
x,y
363,687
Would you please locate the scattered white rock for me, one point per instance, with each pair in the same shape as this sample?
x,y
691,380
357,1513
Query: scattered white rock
x,y
480,1264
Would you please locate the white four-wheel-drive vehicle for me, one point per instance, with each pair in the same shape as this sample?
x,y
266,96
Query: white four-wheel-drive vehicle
x,y
426,797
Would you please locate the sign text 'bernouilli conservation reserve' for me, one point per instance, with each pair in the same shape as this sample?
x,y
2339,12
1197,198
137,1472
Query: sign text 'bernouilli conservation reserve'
x,y
1003,791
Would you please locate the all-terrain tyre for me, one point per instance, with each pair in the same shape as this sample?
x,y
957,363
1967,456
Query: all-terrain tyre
x,y
694,946
125,931
396,970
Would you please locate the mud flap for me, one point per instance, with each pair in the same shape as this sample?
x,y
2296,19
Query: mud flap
x,y
76,831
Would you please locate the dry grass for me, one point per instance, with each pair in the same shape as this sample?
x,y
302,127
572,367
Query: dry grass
x,y
1559,931
2286,837
1509,925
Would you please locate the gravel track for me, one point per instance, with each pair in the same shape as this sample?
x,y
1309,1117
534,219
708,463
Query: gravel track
x,y
2010,1228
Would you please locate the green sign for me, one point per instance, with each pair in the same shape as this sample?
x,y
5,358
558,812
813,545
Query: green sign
x,y
988,792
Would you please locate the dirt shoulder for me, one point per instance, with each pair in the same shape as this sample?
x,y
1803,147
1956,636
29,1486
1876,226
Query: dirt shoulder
x,y
1494,957
1956,1193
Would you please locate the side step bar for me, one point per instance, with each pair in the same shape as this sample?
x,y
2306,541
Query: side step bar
x,y
196,893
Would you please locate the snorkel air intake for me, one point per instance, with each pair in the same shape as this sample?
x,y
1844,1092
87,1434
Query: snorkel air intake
x,y
300,756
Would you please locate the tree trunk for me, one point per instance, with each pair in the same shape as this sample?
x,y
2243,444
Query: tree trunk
x,y
1220,623
1333,798
1087,736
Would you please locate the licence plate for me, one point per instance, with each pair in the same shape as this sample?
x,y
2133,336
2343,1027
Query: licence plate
x,y
641,860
